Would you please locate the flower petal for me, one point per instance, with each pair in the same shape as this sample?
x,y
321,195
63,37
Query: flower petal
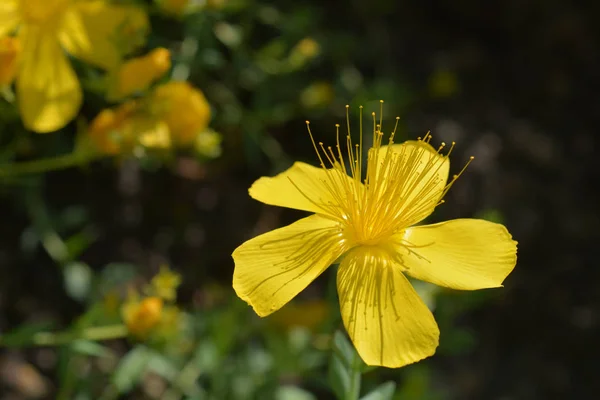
x,y
102,33
410,177
274,267
303,187
9,16
47,88
387,321
465,254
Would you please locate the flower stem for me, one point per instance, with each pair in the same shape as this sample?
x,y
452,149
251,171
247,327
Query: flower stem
x,y
59,338
46,164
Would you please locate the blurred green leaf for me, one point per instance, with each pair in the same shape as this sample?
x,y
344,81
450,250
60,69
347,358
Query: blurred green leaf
x,y
293,393
345,368
23,335
382,392
90,348
131,368
78,280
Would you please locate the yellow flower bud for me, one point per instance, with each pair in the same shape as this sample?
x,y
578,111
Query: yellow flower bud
x,y
9,52
184,109
141,317
139,73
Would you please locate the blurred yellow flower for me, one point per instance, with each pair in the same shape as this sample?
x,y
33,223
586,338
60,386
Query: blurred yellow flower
x,y
122,129
165,284
105,131
142,316
318,94
306,314
366,222
183,108
48,90
9,52
174,113
174,7
139,73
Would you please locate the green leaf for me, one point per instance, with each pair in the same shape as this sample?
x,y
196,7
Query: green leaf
x,y
339,377
289,392
23,335
90,348
382,392
343,349
345,368
129,371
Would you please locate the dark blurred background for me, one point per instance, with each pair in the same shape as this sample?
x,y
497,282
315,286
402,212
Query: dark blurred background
x,y
515,83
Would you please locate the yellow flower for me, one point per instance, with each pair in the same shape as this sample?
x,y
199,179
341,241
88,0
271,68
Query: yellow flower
x,y
48,90
120,130
9,52
366,222
142,316
139,73
183,108
165,284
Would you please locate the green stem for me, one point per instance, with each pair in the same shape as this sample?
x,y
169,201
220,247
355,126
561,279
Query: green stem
x,y
47,164
59,338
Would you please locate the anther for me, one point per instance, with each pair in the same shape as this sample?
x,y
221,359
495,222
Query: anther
x,y
307,122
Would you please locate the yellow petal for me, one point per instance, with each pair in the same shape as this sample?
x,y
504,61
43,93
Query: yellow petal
x,y
10,47
47,88
302,187
462,254
102,33
137,74
273,268
411,175
9,16
387,321
184,109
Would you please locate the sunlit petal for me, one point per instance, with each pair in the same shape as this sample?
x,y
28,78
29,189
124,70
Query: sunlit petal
x,y
9,17
385,318
463,254
48,91
272,268
304,187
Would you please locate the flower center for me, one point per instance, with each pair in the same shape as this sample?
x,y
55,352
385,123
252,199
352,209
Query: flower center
x,y
42,11
402,185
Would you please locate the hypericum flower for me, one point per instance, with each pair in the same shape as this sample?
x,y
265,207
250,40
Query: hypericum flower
x,y
142,316
122,129
366,222
138,73
183,108
173,113
165,284
48,90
